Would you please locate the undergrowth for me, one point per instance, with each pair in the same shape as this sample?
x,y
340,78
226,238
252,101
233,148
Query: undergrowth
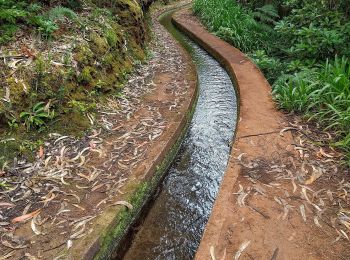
x,y
302,48
59,59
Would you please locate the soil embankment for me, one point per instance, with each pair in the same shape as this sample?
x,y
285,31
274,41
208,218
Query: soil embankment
x,y
79,196
280,195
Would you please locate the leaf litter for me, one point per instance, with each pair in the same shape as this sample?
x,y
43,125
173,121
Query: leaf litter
x,y
313,184
55,188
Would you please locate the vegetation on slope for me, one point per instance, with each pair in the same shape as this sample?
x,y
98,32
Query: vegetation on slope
x,y
59,59
302,48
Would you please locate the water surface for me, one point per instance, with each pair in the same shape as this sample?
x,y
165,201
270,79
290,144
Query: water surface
x,y
175,223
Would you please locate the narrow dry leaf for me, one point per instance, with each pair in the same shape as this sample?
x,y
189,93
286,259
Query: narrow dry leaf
x,y
69,244
242,247
330,195
324,154
224,255
344,234
294,185
317,223
30,257
302,211
287,129
7,244
304,194
25,217
212,253
316,173
34,228
345,223
7,205
4,257
125,203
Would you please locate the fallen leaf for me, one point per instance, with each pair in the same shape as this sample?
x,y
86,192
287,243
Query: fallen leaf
x,y
125,203
242,247
25,217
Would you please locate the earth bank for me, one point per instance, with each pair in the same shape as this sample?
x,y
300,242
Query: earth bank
x,y
75,188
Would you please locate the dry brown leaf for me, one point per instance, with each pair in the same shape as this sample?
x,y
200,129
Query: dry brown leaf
x,y
242,247
25,217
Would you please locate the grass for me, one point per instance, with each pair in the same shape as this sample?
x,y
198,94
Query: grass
x,y
233,24
323,95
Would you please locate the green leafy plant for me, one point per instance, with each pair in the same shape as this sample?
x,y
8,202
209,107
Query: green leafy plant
x,y
234,24
38,116
81,106
13,124
323,94
271,66
266,14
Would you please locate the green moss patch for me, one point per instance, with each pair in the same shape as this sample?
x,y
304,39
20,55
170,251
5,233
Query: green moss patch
x,y
84,61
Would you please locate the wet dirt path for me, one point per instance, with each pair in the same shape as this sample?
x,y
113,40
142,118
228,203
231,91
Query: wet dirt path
x,y
175,223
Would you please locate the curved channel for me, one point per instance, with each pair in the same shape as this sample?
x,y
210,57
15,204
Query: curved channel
x,y
175,223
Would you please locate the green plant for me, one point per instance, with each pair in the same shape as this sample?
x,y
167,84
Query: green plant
x,y
10,13
292,92
81,106
13,124
234,24
322,94
4,185
58,13
266,14
15,13
29,146
271,66
45,25
38,116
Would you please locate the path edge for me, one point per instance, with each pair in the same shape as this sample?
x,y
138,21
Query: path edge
x,y
115,232
247,78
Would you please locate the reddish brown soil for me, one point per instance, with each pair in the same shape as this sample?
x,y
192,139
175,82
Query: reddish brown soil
x,y
273,180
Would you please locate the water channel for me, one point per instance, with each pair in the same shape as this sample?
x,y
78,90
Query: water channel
x,y
174,225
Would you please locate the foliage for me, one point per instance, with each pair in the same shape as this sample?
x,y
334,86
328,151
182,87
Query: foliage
x,y
234,24
296,44
266,14
38,116
322,35
272,67
14,14
322,94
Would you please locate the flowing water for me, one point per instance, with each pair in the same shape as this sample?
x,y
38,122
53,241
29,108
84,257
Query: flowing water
x,y
176,221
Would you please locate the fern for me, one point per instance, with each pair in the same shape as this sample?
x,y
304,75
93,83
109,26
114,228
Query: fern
x,y
59,12
266,14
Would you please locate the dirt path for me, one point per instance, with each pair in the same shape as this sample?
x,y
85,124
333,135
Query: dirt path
x,y
61,204
283,196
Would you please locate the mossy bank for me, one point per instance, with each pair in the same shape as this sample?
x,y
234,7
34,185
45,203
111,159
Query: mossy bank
x,y
55,82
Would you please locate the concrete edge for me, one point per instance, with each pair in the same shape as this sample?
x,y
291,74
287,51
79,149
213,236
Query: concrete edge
x,y
118,221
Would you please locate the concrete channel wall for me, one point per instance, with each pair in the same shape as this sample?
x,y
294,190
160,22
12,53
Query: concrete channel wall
x,y
258,125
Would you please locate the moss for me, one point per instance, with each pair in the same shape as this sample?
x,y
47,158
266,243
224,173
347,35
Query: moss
x,y
103,62
72,122
17,90
112,37
98,45
87,75
83,55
